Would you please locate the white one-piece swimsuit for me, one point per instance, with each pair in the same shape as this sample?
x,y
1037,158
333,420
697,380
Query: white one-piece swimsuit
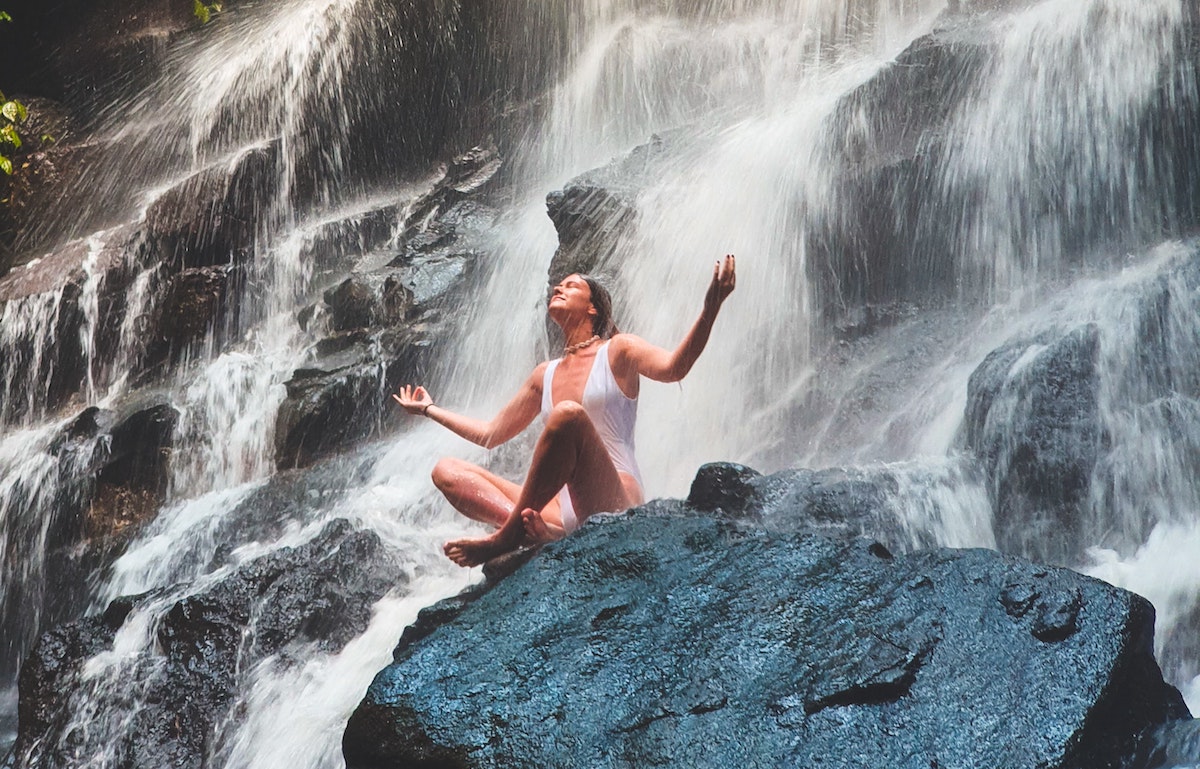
x,y
612,412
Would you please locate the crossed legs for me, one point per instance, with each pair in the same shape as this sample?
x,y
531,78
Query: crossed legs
x,y
475,492
568,452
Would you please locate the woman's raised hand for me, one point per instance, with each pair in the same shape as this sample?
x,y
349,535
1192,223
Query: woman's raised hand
x,y
723,281
414,399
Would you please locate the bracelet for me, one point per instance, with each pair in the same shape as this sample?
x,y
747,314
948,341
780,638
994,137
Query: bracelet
x,y
425,411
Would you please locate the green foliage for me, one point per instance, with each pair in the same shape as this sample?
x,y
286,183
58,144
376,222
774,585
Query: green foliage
x,y
11,113
204,11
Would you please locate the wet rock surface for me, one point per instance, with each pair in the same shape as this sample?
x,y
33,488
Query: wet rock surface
x,y
596,209
671,637
1039,423
340,401
384,321
194,304
888,143
1033,418
110,468
46,304
889,235
317,594
214,217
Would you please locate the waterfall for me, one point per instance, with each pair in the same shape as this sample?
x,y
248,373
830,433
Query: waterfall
x,y
1046,182
1024,214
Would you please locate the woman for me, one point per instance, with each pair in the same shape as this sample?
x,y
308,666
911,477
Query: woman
x,y
583,461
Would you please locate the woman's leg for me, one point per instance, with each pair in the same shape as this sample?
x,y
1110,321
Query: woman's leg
x,y
483,496
476,493
569,451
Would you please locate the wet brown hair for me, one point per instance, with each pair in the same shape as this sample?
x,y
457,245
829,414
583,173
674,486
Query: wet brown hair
x,y
602,323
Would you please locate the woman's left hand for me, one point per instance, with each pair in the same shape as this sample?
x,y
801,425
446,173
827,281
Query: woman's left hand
x,y
724,280
415,400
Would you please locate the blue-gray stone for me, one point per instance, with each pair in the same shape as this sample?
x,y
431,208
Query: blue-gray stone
x,y
666,638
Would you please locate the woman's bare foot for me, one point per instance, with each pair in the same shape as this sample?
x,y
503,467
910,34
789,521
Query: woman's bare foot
x,y
473,552
538,528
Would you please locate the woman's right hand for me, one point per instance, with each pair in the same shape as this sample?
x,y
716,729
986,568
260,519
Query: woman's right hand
x,y
723,281
414,399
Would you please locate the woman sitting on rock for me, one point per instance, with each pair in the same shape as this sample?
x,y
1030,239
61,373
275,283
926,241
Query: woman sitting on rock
x,y
583,461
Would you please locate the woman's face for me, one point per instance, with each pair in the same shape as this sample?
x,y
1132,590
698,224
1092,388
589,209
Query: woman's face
x,y
570,299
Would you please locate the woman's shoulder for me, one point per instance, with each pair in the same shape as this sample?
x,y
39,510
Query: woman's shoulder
x,y
537,375
623,343
621,348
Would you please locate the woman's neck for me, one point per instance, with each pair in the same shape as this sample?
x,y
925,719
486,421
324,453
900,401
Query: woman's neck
x,y
577,333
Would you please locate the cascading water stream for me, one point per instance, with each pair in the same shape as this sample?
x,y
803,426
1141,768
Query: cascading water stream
x,y
1044,179
46,458
743,94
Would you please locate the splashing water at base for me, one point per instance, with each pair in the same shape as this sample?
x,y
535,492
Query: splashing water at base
x,y
295,717
223,423
1164,570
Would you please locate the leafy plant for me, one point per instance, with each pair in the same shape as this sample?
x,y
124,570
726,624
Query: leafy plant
x,y
204,11
12,114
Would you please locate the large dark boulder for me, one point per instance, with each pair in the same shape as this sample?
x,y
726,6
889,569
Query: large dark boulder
x,y
665,638
1033,419
318,595
595,210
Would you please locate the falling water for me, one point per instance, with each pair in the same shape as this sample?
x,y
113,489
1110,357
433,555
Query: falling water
x,y
29,368
47,458
741,94
1044,179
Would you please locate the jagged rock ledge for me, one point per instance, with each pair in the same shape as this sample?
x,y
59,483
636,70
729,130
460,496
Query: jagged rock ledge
x,y
318,594
688,634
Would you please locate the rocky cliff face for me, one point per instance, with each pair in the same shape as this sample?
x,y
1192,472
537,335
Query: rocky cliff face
x,y
317,594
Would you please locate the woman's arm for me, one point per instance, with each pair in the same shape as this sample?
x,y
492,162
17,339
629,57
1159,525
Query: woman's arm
x,y
672,365
512,419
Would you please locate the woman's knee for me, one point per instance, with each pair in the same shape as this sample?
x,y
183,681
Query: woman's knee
x,y
447,472
566,415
